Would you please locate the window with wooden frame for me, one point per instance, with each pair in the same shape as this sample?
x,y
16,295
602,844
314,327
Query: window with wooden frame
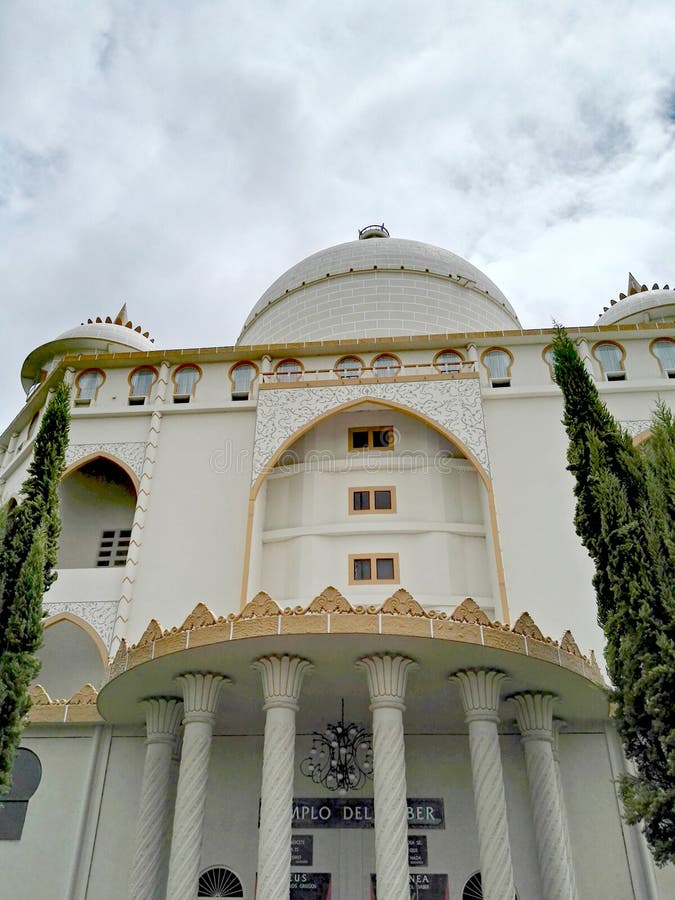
x,y
87,386
373,437
610,356
372,499
141,381
185,380
375,568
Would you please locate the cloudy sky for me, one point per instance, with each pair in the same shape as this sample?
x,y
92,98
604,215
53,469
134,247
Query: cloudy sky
x,y
181,155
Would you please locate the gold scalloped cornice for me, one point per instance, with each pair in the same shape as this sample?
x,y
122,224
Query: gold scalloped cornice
x,y
331,613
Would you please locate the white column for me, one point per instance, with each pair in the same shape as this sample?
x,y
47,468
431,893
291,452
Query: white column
x,y
534,713
162,717
200,698
558,725
387,679
281,682
479,690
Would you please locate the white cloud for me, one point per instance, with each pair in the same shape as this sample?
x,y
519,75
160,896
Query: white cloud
x,y
180,156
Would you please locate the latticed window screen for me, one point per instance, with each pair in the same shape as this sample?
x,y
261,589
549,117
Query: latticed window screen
x,y
114,547
219,882
449,361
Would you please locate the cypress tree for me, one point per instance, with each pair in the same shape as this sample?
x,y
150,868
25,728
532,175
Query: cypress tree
x,y
625,517
28,553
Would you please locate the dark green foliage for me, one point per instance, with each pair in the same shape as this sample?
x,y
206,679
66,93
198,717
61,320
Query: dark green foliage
x,y
625,516
28,553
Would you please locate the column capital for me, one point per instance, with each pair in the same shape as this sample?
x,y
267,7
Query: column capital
x,y
387,679
282,679
163,716
534,714
479,689
201,691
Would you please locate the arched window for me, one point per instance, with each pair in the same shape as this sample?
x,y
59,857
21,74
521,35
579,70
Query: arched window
x,y
185,379
448,361
473,889
610,356
33,425
141,381
664,350
219,882
242,376
289,370
348,367
498,363
386,366
547,356
87,385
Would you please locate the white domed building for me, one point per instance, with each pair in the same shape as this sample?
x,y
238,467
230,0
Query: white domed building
x,y
322,626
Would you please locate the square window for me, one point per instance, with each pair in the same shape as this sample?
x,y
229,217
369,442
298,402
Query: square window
x,y
362,570
360,440
383,438
361,500
383,499
385,569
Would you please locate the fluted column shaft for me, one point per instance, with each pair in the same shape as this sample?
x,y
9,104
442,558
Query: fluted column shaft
x,y
479,690
534,713
387,680
162,717
200,698
281,682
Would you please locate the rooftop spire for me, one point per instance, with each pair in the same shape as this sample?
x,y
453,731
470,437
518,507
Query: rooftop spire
x,y
122,316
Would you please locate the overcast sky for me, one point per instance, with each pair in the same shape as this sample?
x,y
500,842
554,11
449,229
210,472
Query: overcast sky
x,y
180,155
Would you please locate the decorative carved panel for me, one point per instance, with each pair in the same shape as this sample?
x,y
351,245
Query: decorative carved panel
x,y
454,405
132,453
99,614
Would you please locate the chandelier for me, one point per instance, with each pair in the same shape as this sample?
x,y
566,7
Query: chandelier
x,y
341,757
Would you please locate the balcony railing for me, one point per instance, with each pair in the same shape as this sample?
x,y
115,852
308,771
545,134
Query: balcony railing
x,y
370,374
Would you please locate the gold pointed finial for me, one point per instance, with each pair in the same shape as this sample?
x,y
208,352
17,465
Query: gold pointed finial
x,y
633,284
122,316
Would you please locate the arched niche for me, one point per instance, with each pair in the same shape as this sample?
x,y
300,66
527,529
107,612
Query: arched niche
x,y
69,638
97,496
437,535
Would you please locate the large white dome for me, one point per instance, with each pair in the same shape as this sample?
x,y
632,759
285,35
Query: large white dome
x,y
377,288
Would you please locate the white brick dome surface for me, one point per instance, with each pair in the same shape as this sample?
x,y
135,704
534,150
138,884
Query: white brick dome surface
x,y
379,287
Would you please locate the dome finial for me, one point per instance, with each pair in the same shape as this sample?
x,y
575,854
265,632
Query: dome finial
x,y
122,316
633,284
373,231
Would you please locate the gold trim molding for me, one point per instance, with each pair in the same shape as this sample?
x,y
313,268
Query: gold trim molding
x,y
79,708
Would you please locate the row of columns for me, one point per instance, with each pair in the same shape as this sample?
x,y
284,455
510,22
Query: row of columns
x,y
387,680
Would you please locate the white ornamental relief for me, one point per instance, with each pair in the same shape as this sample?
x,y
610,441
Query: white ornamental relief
x,y
635,426
132,453
454,405
100,615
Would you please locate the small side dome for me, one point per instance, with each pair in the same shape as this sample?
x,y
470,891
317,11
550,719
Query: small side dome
x,y
640,304
93,336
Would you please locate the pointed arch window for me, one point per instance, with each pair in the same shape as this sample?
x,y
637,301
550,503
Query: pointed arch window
x,y
242,376
141,381
664,350
87,386
185,380
610,356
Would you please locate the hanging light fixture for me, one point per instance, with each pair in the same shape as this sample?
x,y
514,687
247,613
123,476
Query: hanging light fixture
x,y
341,757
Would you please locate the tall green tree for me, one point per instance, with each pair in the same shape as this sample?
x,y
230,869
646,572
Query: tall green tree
x,y
28,552
625,517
